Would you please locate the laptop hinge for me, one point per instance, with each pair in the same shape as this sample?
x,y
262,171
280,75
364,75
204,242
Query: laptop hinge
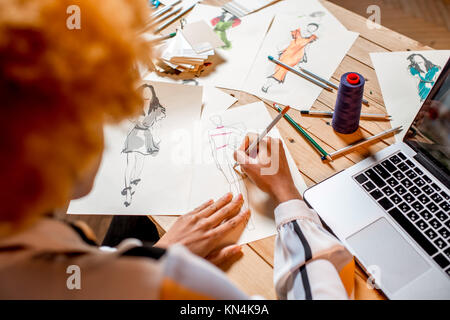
x,y
433,168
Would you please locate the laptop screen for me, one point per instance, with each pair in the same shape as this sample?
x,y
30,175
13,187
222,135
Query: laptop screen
x,y
429,134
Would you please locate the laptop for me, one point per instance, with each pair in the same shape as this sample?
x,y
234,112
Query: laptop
x,y
392,210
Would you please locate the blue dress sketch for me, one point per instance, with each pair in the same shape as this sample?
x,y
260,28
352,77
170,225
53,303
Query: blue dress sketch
x,y
142,141
425,71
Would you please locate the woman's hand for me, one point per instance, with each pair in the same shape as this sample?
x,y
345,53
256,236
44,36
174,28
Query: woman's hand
x,y
211,230
268,168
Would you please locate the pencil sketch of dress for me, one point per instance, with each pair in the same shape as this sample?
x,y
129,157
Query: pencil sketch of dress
x,y
425,71
142,141
295,53
224,140
222,23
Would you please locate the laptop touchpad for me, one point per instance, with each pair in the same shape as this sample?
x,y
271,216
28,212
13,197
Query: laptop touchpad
x,y
384,252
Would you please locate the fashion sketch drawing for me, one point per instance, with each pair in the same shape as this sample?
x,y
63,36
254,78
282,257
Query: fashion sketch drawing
x,y
295,53
142,141
223,23
425,71
224,140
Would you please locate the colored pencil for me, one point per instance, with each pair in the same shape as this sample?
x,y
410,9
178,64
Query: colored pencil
x,y
323,83
263,134
320,84
171,35
175,18
165,9
165,16
330,114
304,134
364,142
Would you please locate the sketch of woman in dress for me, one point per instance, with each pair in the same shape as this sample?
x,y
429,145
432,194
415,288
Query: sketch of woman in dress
x,y
425,71
142,141
293,55
222,23
223,141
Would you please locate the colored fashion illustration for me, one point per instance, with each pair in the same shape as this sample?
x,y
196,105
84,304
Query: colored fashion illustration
x,y
425,71
142,141
223,23
293,55
223,141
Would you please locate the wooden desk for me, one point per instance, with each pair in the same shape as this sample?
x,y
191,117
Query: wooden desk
x,y
254,272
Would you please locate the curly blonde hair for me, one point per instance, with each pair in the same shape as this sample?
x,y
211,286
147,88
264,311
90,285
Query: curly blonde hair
x,y
57,87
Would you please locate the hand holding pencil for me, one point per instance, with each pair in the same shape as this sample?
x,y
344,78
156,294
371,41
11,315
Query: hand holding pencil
x,y
268,168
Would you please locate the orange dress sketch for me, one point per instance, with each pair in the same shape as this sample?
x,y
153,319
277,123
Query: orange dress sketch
x,y
293,55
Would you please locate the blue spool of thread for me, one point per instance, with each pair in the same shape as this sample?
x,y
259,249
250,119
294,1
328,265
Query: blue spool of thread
x,y
347,111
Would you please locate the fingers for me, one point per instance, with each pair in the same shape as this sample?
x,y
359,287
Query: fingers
x,y
225,257
214,206
239,220
202,207
227,212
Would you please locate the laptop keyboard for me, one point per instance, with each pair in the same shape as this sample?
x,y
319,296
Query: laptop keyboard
x,y
414,201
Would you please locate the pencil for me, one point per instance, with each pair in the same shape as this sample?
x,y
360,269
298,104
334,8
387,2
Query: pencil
x,y
304,74
263,134
175,18
171,35
165,16
305,134
365,141
165,9
320,84
330,114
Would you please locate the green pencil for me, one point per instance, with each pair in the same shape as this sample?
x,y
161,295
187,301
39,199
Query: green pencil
x,y
325,154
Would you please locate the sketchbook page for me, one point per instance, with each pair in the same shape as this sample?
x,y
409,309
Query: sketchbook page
x,y
214,174
146,166
300,42
231,63
405,80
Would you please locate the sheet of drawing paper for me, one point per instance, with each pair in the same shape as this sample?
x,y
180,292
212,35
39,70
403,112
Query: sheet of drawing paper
x,y
147,166
201,36
214,100
214,174
405,80
302,8
300,42
230,65
244,7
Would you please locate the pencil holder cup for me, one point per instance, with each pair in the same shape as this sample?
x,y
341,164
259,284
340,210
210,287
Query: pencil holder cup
x,y
347,110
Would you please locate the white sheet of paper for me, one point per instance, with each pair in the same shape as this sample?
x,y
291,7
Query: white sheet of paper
x,y
231,64
301,8
244,7
148,163
221,135
317,47
215,101
405,80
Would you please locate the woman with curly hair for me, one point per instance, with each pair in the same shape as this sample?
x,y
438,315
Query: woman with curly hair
x,y
58,89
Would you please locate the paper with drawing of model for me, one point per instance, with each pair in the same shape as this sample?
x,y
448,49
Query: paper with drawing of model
x,y
309,41
406,79
221,135
147,161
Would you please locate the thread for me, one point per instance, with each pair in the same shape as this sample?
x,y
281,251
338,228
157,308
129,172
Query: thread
x,y
347,110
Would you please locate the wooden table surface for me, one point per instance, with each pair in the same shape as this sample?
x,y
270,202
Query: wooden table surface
x,y
253,273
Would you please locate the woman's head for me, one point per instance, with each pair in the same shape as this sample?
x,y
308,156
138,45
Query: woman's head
x,y
420,63
57,89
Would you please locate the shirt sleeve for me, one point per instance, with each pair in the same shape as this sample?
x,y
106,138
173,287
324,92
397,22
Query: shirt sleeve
x,y
310,263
